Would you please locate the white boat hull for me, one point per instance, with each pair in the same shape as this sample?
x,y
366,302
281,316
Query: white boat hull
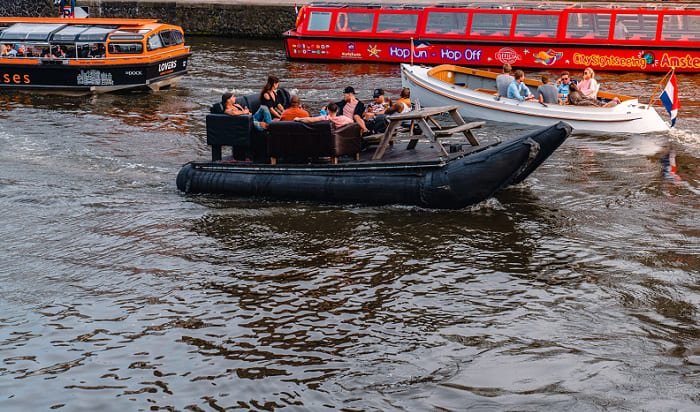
x,y
627,117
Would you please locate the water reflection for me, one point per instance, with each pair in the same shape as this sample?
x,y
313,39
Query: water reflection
x,y
577,289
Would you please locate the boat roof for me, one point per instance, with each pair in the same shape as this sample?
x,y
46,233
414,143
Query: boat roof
x,y
521,5
33,29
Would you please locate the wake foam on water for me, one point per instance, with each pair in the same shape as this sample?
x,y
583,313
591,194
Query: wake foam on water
x,y
688,140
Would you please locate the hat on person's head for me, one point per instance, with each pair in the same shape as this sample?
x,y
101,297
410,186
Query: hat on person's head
x,y
349,89
377,93
225,97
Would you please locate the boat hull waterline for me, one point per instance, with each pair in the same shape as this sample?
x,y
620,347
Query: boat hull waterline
x,y
451,184
627,117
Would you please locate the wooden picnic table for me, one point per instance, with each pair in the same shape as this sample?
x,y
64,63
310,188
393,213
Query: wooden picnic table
x,y
420,118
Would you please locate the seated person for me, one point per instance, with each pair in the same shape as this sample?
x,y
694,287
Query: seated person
x,y
375,112
403,105
503,80
98,50
563,86
577,98
268,97
261,118
14,51
294,110
332,116
378,106
589,85
352,108
547,93
517,89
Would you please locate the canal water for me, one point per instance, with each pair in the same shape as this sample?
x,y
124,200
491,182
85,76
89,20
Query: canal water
x,y
577,290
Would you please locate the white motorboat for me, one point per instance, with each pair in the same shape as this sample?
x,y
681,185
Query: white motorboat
x,y
475,92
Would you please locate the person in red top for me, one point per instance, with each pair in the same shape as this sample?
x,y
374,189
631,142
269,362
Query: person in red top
x,y
294,110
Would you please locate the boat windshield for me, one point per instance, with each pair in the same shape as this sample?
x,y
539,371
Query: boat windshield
x,y
21,32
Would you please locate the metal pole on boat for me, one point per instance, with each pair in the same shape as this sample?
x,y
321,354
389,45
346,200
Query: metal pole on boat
x,y
411,51
661,85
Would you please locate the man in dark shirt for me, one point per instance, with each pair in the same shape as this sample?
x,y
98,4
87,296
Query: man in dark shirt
x,y
352,108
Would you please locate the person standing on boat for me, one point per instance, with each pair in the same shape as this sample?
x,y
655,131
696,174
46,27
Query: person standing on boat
x,y
268,97
504,80
352,108
517,89
261,118
294,110
547,93
589,86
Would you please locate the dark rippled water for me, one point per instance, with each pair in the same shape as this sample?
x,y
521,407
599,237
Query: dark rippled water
x,y
577,290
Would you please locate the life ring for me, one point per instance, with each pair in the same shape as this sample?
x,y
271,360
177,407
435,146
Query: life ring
x,y
342,24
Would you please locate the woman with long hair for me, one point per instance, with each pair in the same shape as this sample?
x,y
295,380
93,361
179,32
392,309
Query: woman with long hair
x,y
268,97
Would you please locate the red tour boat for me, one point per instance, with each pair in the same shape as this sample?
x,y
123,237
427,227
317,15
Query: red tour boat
x,y
609,36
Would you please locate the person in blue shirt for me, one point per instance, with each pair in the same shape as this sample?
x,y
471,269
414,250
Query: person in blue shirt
x,y
518,90
563,85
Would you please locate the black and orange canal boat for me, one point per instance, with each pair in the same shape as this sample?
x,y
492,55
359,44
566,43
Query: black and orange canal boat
x,y
92,55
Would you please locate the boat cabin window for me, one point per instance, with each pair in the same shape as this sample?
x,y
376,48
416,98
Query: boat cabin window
x,y
680,27
588,26
125,48
171,38
635,26
354,22
21,32
154,42
397,23
537,25
176,37
491,24
319,21
440,22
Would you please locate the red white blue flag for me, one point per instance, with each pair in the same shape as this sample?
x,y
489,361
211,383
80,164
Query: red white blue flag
x,y
669,97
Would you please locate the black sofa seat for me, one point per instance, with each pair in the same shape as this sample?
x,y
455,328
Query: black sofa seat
x,y
299,141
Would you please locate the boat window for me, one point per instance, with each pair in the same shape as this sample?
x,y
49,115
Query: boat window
x,y
536,25
29,32
397,23
125,48
635,26
680,27
354,22
68,33
95,34
165,38
154,42
319,21
176,37
588,26
491,24
446,22
126,37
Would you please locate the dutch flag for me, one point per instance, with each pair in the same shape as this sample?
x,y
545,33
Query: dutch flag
x,y
669,97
